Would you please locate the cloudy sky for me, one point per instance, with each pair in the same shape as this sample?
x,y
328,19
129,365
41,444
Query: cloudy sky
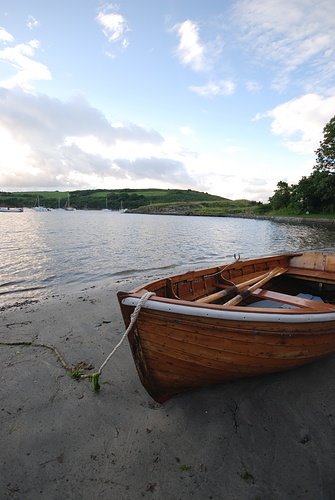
x,y
227,96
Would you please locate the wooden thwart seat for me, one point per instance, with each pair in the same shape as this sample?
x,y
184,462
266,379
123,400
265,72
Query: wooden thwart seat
x,y
292,300
311,274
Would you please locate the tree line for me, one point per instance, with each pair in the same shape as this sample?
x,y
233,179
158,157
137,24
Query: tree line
x,y
315,193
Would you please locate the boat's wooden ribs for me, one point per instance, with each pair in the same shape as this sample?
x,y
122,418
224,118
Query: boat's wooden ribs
x,y
170,289
241,270
200,287
194,286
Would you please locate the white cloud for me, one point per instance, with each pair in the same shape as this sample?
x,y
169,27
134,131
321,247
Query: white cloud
x,y
191,51
5,36
45,121
301,121
155,168
222,87
12,155
253,86
185,130
290,33
202,56
32,23
49,143
20,58
54,143
114,25
232,149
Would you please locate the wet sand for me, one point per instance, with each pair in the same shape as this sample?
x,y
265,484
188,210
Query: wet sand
x,y
262,438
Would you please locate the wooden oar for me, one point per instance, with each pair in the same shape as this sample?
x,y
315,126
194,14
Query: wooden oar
x,y
277,271
230,291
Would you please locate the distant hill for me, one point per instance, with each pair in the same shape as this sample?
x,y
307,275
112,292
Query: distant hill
x,y
98,198
162,201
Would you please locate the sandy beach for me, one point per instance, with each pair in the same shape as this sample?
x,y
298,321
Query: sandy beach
x,y
262,438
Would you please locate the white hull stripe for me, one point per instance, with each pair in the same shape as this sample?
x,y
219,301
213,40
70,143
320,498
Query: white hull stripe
x,y
232,315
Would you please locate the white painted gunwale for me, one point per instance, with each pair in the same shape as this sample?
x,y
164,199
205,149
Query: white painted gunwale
x,y
230,315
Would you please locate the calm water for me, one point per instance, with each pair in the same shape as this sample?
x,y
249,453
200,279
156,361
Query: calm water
x,y
54,252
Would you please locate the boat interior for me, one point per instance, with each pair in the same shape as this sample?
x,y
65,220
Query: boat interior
x,y
301,281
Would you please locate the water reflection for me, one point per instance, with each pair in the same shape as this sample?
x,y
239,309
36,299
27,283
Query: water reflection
x,y
43,252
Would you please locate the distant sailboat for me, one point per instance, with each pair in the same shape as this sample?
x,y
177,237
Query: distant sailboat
x,y
106,209
67,204
40,208
122,210
58,206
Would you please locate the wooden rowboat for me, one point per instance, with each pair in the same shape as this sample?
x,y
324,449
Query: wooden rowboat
x,y
247,318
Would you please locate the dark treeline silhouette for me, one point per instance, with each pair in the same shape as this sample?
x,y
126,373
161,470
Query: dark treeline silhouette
x,y
315,193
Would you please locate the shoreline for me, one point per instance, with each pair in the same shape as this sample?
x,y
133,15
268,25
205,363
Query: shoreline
x,y
287,219
261,437
274,218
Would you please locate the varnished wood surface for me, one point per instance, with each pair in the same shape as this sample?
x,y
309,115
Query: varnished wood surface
x,y
205,352
292,300
176,352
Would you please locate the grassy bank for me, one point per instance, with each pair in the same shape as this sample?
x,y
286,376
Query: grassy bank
x,y
203,208
224,208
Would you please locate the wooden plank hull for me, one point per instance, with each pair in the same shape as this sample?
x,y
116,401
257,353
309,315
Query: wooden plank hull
x,y
179,345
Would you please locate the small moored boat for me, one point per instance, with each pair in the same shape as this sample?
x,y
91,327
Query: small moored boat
x,y
11,209
247,318
68,206
40,208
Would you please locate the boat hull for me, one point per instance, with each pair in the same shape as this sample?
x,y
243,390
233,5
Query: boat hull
x,y
180,345
11,209
176,352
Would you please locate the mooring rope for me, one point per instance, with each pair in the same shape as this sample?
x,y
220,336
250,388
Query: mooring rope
x,y
237,257
133,317
39,344
76,371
